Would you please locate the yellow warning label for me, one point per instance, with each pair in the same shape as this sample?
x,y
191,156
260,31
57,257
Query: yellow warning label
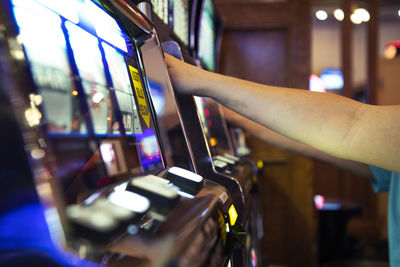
x,y
137,84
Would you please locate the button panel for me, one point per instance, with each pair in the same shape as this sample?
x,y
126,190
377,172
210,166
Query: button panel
x,y
187,181
162,195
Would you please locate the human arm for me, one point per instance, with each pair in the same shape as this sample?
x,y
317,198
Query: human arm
x,y
281,142
335,125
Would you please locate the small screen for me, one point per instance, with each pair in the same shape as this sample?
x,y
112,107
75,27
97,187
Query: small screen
x,y
112,155
206,50
214,125
174,142
160,7
181,20
149,150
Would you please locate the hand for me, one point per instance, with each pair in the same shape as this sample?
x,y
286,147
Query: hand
x,y
186,78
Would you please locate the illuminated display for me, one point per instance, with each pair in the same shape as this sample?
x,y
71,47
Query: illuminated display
x,y
123,90
67,9
160,7
112,155
106,27
181,19
213,124
46,50
78,57
149,150
88,59
206,50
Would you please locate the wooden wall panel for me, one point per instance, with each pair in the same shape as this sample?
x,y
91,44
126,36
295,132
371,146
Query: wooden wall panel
x,y
289,214
263,47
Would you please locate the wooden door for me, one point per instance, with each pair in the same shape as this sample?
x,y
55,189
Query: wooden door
x,y
269,42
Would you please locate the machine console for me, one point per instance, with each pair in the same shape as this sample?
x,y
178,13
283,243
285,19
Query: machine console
x,y
98,152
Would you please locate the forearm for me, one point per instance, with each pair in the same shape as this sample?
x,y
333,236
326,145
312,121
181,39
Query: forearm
x,y
319,120
281,142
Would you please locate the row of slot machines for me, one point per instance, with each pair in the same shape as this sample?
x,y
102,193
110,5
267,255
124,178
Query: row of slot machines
x,y
125,171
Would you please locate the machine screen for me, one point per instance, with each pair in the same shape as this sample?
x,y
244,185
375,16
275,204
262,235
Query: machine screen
x,y
89,62
213,125
47,52
181,20
123,90
149,151
161,9
96,120
206,50
174,141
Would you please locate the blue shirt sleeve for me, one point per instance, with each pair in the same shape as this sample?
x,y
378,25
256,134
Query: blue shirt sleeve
x,y
381,180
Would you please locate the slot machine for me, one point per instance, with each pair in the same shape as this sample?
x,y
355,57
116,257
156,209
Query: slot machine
x,y
78,76
204,126
228,148
187,110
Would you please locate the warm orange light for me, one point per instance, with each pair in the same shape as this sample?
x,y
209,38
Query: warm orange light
x,y
74,93
33,116
390,51
213,142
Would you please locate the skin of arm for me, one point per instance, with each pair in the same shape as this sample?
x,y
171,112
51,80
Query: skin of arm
x,y
264,134
332,124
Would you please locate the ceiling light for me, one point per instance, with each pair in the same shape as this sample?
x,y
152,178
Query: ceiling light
x,y
339,14
356,18
321,15
363,13
360,15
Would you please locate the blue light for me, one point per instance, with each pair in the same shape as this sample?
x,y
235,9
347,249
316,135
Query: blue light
x,y
332,206
25,229
204,212
332,79
149,150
